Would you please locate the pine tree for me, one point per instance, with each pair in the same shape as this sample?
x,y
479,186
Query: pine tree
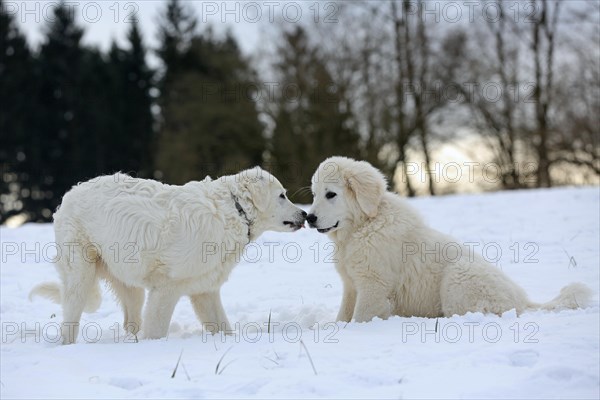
x,y
61,136
17,105
176,31
74,114
61,107
208,124
132,130
69,113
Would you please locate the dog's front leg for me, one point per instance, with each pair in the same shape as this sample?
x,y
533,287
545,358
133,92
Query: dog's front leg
x,y
371,301
158,312
209,310
348,298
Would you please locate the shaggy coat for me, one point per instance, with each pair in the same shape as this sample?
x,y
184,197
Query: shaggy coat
x,y
172,240
391,263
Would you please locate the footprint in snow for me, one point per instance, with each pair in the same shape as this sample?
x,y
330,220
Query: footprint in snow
x,y
126,383
524,358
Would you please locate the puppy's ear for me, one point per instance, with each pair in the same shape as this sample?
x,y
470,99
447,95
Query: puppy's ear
x,y
255,184
368,186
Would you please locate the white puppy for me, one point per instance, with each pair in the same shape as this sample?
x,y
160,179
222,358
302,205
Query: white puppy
x,y
173,240
384,271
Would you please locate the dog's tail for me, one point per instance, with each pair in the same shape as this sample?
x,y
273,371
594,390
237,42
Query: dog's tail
x,y
53,291
572,296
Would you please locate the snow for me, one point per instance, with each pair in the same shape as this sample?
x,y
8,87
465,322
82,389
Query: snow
x,y
547,239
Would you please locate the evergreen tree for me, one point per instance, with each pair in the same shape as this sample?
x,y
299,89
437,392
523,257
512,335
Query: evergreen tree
x,y
56,114
310,121
132,131
17,106
209,123
176,31
62,139
210,126
69,113
74,111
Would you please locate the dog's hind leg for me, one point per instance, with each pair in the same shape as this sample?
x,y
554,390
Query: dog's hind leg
x,y
210,312
78,272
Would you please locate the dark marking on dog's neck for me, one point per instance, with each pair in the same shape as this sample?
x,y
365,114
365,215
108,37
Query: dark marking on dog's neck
x,y
242,213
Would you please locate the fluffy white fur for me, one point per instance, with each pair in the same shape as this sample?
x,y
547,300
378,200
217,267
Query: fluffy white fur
x,y
380,241
172,240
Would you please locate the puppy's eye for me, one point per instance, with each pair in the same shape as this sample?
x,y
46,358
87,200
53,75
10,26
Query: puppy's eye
x,y
330,195
282,196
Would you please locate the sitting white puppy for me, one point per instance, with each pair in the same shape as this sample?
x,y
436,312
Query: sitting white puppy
x,y
173,240
377,234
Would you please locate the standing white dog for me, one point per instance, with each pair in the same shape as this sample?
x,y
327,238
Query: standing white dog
x,y
172,240
379,239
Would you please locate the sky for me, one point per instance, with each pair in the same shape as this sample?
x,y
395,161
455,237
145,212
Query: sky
x,y
250,21
106,21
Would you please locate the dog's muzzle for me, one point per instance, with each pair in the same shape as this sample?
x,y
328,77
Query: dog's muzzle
x,y
297,224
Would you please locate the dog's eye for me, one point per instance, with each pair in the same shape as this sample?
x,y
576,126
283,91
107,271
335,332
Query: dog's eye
x,y
330,195
282,196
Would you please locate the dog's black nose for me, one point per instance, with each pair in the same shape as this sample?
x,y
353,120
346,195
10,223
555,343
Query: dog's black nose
x,y
311,218
304,214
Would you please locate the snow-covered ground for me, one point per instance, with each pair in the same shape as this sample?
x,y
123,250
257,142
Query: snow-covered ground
x,y
543,239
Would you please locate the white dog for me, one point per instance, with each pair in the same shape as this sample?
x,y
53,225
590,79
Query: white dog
x,y
379,241
172,240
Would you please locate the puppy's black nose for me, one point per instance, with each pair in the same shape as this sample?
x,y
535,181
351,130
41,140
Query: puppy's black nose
x,y
311,218
304,214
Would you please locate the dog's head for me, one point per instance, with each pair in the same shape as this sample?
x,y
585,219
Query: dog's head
x,y
272,210
344,191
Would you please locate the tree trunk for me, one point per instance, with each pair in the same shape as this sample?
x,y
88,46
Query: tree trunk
x,y
402,133
541,106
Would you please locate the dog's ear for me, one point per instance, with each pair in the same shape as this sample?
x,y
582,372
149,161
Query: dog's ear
x,y
368,186
255,183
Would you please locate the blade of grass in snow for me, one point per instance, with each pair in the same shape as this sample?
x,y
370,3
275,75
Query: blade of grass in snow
x,y
177,365
309,357
220,360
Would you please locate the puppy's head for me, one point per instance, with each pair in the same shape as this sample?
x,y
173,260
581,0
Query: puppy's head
x,y
273,211
344,190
